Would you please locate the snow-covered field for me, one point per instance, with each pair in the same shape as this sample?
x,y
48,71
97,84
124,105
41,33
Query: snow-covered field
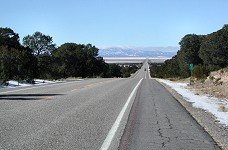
x,y
218,107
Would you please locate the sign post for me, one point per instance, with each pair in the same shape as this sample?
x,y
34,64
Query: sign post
x,y
191,68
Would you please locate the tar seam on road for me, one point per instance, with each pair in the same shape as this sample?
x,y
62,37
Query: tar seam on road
x,y
115,126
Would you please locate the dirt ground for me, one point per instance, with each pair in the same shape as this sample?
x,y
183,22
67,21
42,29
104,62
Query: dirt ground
x,y
216,85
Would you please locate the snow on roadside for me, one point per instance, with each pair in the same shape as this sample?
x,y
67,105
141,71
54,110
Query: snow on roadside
x,y
40,81
210,104
13,83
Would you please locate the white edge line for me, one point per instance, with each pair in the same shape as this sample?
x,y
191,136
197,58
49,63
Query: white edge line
x,y
115,126
148,68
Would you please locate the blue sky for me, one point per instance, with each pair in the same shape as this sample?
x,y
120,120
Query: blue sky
x,y
114,22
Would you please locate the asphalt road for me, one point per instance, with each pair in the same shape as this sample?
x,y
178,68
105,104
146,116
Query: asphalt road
x,y
158,122
84,115
71,115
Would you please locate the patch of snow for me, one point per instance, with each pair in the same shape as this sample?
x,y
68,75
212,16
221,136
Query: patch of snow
x,y
40,81
209,104
2,86
15,83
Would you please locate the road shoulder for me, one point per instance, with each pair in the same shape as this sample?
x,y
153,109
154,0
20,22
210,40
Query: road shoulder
x,y
217,131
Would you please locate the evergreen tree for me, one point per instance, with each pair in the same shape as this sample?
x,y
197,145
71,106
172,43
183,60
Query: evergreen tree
x,y
214,49
40,44
42,47
16,61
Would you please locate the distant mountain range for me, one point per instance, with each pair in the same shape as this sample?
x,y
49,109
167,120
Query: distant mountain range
x,y
157,52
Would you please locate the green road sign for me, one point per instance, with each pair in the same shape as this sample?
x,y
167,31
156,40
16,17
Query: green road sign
x,y
191,67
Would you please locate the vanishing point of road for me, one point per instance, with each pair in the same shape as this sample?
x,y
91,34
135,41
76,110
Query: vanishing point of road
x,y
134,113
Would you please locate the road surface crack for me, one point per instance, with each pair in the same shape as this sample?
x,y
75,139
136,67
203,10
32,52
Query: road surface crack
x,y
169,123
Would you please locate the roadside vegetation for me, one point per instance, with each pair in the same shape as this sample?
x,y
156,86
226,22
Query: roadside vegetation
x,y
123,70
206,52
39,57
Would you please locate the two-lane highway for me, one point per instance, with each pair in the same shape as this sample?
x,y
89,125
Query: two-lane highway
x,y
92,114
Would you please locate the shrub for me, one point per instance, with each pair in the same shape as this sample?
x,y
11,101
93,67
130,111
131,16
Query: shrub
x,y
200,71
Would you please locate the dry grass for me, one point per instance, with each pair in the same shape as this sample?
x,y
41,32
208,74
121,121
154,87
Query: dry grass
x,y
215,85
223,108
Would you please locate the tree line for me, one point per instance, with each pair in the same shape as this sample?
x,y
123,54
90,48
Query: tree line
x,y
39,57
206,52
